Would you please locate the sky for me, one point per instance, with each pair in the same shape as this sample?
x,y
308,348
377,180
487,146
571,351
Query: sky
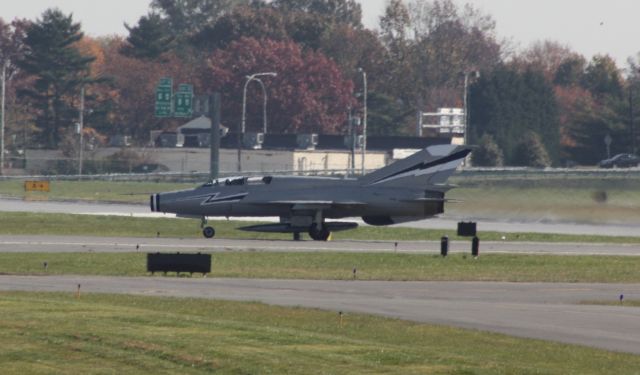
x,y
587,26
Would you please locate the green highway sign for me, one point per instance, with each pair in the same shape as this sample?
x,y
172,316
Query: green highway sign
x,y
184,101
164,94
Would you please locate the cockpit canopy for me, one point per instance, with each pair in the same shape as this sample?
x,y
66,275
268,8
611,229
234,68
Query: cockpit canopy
x,y
239,181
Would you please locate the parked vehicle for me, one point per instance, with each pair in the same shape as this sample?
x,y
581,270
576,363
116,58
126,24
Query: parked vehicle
x,y
620,161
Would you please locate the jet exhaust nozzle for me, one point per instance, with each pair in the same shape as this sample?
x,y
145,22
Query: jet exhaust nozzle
x,y
155,202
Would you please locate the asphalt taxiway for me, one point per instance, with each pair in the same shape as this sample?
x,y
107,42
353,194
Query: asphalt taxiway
x,y
532,310
57,244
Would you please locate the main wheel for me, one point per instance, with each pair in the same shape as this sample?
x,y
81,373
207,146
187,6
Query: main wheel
x,y
319,234
208,232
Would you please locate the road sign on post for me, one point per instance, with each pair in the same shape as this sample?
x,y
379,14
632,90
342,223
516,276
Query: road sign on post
x,y
184,101
164,94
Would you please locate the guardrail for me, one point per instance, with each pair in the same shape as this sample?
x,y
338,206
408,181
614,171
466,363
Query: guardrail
x,y
521,173
171,176
466,173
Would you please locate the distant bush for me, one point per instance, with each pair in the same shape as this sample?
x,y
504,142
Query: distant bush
x,y
530,152
488,153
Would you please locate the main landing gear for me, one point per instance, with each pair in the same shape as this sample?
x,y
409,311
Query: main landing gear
x,y
207,231
319,233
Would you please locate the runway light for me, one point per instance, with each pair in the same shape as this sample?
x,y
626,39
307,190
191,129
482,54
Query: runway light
x,y
46,265
354,273
621,298
78,292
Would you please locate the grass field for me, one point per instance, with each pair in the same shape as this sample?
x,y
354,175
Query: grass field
x,y
339,266
18,223
587,199
106,334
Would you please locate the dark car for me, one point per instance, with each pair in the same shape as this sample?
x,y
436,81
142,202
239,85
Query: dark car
x,y
620,161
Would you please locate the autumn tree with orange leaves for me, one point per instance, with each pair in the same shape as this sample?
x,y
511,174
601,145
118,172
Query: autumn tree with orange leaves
x,y
309,94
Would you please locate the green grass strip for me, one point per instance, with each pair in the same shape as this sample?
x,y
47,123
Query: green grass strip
x,y
21,223
339,266
43,333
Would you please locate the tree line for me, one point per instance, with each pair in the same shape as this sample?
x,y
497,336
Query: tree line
x,y
545,105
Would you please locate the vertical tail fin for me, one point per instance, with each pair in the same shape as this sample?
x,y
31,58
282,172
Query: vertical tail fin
x,y
433,165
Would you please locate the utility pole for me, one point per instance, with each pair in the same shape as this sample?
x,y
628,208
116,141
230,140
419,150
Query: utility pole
x,y
4,83
352,143
364,120
419,116
214,115
80,129
631,118
476,75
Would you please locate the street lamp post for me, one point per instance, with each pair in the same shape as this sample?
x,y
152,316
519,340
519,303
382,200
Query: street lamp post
x,y
264,105
364,119
253,77
5,63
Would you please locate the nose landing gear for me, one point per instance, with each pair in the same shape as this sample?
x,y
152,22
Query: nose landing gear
x,y
207,231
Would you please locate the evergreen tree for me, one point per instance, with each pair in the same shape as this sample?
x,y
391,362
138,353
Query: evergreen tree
x,y
508,103
386,114
59,69
149,39
340,11
186,18
488,154
570,72
602,77
243,21
530,152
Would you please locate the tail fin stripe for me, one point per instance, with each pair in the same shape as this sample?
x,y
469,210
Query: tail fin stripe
x,y
422,166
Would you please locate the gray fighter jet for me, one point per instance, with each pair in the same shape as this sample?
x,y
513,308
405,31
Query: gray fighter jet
x,y
407,190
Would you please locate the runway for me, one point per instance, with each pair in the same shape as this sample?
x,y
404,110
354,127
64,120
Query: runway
x,y
444,222
532,310
67,244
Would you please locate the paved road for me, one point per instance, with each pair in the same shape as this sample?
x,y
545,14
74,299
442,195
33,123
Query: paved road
x,y
543,311
11,243
16,205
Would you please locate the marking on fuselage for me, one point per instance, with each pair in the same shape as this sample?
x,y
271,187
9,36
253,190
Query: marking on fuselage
x,y
215,199
193,197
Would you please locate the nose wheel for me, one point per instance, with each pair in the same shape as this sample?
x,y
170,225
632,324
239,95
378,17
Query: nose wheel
x,y
208,232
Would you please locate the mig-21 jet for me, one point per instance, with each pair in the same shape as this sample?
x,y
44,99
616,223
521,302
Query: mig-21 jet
x,y
410,189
